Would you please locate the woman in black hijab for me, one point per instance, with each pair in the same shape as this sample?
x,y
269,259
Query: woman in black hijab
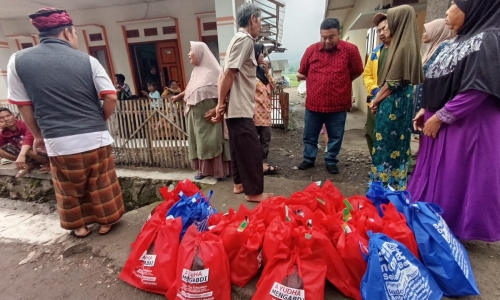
x,y
263,106
458,166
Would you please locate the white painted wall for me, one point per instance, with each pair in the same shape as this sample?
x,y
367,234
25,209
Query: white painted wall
x,y
4,59
183,10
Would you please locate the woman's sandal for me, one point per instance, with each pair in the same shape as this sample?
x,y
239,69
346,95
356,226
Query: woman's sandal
x,y
271,170
199,176
73,234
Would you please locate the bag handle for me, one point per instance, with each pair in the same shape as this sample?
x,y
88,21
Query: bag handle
x,y
365,252
432,207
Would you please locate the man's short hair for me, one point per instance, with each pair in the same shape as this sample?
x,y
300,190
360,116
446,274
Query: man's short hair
x,y
53,33
330,23
245,13
120,77
5,109
379,18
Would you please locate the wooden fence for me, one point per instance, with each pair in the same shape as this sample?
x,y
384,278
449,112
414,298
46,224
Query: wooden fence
x,y
157,137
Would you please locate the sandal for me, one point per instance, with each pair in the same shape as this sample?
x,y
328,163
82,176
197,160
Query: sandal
x,y
73,234
199,177
271,170
5,161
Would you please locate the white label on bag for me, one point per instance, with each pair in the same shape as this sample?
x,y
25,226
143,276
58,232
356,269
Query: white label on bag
x,y
195,277
282,292
403,279
455,246
148,259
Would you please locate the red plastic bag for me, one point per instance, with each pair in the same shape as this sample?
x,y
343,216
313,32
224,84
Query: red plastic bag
x,y
242,239
202,271
270,209
361,203
332,197
365,220
186,186
277,232
337,272
349,248
154,255
395,227
296,274
160,210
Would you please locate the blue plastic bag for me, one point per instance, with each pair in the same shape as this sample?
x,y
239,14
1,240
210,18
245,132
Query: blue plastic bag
x,y
441,252
192,210
395,273
379,195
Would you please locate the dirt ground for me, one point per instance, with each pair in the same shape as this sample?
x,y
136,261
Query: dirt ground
x,y
287,149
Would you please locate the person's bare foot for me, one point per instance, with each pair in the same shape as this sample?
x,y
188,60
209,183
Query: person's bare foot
x,y
259,198
105,229
238,188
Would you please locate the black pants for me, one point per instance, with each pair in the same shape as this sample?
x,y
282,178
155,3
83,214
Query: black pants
x,y
246,155
264,133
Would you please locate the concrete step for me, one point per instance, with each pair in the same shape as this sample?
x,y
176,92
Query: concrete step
x,y
23,225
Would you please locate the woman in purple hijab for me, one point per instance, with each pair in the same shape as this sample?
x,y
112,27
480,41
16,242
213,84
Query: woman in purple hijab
x,y
458,166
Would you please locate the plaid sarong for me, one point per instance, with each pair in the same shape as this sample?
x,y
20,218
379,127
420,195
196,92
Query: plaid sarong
x,y
87,188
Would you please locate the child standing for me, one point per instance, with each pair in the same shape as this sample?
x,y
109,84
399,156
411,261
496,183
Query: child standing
x,y
154,96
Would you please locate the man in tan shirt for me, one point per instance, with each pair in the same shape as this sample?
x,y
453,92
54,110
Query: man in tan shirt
x,y
236,100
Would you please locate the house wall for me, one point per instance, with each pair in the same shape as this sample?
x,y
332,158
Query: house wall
x,y
4,59
183,10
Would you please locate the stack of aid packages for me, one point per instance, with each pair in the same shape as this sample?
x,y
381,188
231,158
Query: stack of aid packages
x,y
377,247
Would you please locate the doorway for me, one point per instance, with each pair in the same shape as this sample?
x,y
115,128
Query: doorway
x,y
163,57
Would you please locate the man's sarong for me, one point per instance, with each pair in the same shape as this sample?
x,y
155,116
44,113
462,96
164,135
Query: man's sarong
x,y
87,188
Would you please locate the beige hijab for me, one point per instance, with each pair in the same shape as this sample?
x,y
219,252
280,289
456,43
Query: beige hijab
x,y
205,74
437,32
403,60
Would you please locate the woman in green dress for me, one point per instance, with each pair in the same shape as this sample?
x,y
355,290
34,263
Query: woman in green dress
x,y
208,147
393,105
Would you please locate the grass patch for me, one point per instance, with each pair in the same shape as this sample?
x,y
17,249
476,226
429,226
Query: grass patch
x,y
293,79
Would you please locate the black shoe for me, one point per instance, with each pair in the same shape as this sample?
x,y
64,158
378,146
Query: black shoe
x,y
306,165
332,169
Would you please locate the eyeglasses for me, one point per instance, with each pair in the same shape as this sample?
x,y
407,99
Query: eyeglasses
x,y
379,30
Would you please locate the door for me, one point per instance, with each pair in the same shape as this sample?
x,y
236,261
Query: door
x,y
169,63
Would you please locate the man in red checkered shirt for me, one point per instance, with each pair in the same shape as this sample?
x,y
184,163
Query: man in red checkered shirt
x,y
329,67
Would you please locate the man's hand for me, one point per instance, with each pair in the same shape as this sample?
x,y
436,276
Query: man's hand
x,y
209,115
21,162
220,110
39,146
301,77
